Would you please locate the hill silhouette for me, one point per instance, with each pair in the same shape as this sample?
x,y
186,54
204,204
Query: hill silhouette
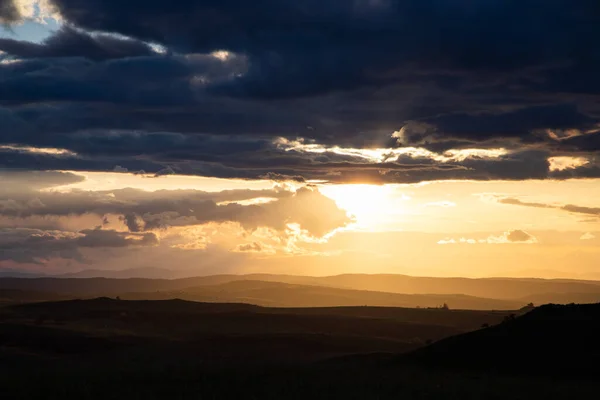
x,y
551,339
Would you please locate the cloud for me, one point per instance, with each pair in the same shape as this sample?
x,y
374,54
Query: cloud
x,y
17,11
242,157
587,236
254,247
143,211
118,168
273,176
517,202
37,246
565,163
70,42
568,207
581,210
8,12
446,131
13,181
509,237
43,222
519,236
165,171
115,85
315,48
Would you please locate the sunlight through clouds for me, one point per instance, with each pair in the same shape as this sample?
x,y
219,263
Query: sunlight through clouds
x,y
371,205
39,150
382,155
565,163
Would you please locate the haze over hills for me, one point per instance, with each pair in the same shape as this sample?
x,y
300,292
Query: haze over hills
x,y
277,294
340,290
146,272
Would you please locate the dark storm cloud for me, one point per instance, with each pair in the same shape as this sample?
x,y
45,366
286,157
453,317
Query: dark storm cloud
x,y
443,132
588,142
317,46
235,157
22,159
159,80
69,42
445,74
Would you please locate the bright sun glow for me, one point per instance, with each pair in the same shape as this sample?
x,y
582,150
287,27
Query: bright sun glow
x,y
371,205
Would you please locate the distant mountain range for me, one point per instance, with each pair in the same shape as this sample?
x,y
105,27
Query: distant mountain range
x,y
306,291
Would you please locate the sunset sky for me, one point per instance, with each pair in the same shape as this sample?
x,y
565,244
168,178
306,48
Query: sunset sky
x,y
421,137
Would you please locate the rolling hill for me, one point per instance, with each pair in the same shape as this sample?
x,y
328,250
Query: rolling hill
x,y
340,290
230,331
552,339
276,294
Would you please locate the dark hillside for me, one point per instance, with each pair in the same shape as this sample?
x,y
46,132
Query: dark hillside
x,y
551,339
235,332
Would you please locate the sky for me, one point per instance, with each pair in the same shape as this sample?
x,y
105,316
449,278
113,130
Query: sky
x,y
421,137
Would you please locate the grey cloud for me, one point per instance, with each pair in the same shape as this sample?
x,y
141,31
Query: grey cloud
x,y
273,176
16,180
118,168
165,171
8,12
70,42
142,211
519,236
582,210
517,202
235,157
568,207
253,247
447,131
109,238
37,246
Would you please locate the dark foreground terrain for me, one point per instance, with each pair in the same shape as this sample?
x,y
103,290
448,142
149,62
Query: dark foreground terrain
x,y
173,349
